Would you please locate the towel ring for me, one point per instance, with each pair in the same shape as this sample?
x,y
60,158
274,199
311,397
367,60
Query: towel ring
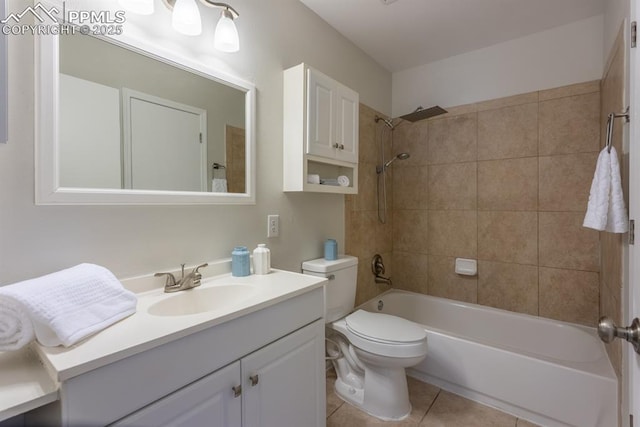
x,y
610,122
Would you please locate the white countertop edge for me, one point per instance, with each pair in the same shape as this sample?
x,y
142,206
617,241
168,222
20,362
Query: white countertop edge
x,y
25,383
64,364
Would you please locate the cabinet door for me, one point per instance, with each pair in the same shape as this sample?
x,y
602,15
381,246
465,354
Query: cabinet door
x,y
209,402
347,119
321,101
284,383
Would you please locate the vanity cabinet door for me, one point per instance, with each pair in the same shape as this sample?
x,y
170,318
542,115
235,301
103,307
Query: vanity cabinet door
x,y
284,382
210,401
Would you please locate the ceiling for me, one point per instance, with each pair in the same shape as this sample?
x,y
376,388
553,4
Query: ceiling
x,y
401,34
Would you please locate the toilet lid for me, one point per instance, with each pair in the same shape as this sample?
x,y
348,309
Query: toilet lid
x,y
384,327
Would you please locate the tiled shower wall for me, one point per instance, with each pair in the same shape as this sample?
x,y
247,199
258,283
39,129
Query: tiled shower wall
x,y
505,182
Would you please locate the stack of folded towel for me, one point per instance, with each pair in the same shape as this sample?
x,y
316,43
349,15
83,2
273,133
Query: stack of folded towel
x,y
606,210
62,308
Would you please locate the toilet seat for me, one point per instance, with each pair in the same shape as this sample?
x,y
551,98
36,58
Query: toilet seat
x,y
384,328
383,334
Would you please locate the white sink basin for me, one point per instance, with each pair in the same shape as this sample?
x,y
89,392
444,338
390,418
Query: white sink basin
x,y
201,300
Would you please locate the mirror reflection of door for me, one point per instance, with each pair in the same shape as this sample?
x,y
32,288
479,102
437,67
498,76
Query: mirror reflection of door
x,y
236,158
165,144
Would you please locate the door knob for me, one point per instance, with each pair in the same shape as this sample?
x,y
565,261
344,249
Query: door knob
x,y
607,331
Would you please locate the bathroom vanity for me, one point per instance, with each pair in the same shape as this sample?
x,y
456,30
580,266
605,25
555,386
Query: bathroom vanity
x,y
233,352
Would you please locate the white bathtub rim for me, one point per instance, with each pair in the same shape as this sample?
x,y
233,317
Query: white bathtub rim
x,y
598,367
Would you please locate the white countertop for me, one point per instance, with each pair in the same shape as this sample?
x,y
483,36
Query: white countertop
x,y
140,332
24,383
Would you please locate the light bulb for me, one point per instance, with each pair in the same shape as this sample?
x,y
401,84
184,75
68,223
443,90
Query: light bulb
x,y
226,36
186,18
141,7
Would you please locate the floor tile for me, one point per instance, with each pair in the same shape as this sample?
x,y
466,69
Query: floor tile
x,y
450,410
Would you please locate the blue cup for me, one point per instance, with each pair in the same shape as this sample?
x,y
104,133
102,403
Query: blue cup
x,y
330,250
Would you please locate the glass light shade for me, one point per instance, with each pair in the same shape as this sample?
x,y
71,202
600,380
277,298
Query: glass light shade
x,y
186,18
141,7
226,37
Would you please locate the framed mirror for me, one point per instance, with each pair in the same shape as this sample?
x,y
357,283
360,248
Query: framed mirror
x,y
120,122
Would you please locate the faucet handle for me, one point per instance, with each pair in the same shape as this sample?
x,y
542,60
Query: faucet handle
x,y
195,270
170,281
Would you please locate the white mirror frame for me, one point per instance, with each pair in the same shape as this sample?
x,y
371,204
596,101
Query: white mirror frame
x,y
47,189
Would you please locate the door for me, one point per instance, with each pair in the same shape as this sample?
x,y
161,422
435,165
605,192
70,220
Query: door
x,y
284,382
210,401
631,359
321,101
347,124
164,144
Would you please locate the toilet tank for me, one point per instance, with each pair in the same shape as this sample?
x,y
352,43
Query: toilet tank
x,y
340,292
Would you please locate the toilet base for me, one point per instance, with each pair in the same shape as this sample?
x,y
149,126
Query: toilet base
x,y
384,395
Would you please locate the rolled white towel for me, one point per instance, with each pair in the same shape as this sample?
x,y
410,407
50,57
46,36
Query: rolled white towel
x,y
62,308
343,181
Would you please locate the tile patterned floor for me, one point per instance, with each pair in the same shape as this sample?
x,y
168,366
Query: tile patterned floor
x,y
432,407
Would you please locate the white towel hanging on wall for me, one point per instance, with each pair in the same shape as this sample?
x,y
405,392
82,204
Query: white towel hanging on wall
x,y
606,210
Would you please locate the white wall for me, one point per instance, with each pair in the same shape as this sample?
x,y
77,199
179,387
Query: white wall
x,y
275,34
568,54
614,14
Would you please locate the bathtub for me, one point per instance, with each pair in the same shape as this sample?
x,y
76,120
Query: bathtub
x,y
549,372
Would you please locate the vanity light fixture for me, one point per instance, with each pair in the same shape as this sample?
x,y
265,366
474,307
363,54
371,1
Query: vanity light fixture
x,y
186,20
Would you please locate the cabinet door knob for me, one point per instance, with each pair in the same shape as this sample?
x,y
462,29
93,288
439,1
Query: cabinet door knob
x,y
342,146
254,379
237,390
336,145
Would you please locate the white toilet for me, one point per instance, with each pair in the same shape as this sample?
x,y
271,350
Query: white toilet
x,y
370,351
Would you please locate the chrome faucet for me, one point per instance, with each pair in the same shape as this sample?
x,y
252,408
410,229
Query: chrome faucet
x,y
189,281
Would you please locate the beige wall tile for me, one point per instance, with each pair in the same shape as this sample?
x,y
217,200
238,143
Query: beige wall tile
x,y
411,138
410,187
569,125
369,132
452,186
410,231
565,181
445,283
570,90
453,140
564,243
366,199
453,233
457,110
410,271
508,132
366,235
508,236
509,101
569,295
508,286
510,184
611,259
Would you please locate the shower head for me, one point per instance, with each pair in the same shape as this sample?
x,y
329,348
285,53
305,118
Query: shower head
x,y
388,122
423,113
401,156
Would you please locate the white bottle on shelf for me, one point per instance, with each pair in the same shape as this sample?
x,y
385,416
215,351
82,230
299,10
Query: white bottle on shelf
x,y
261,259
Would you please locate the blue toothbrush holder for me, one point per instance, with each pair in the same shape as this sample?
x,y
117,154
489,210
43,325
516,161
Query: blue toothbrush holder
x,y
330,250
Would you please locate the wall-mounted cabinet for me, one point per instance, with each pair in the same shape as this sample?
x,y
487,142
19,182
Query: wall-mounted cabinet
x,y
320,131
